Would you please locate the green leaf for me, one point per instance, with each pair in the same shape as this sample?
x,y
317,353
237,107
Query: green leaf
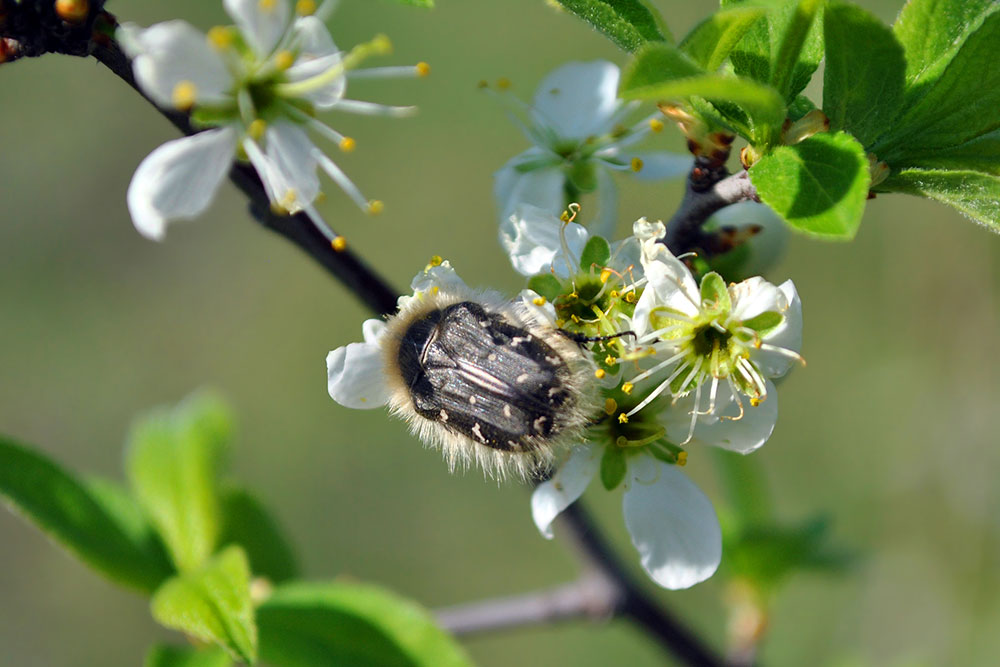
x,y
162,655
212,604
931,32
818,185
87,521
864,76
340,623
974,194
627,23
655,64
613,466
173,465
980,154
784,49
714,292
961,105
597,252
711,41
745,485
246,522
547,285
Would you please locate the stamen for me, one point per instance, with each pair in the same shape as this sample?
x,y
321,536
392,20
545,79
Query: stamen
x,y
283,60
658,367
600,373
347,144
339,244
380,45
739,401
655,125
305,7
375,207
184,95
694,416
341,179
636,164
538,301
220,37
420,70
374,109
783,351
256,129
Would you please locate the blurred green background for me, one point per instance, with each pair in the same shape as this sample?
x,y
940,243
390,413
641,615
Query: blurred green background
x,y
892,428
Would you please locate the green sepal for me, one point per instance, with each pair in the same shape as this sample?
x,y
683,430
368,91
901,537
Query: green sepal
x,y
627,23
547,285
613,466
212,604
765,322
596,253
714,294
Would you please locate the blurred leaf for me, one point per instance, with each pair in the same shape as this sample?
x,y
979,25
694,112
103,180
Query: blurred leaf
x,y
92,523
974,194
784,49
655,64
428,4
173,464
961,105
595,253
212,604
864,76
711,41
246,522
613,466
627,23
931,32
546,285
162,655
818,185
743,482
337,624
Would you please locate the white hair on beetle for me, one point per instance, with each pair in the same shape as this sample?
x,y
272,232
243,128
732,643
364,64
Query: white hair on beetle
x,y
535,452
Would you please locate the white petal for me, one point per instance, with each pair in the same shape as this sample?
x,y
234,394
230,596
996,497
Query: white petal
x,y
552,497
670,285
606,220
318,54
672,524
531,238
754,296
723,430
543,187
293,165
169,53
179,179
441,276
661,165
262,22
372,330
543,314
579,99
356,375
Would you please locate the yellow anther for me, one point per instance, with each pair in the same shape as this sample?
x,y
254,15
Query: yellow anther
x,y
305,7
503,83
538,301
435,289
423,69
267,5
221,37
682,458
610,361
754,401
605,274
564,216
283,60
482,84
339,244
435,261
655,125
576,320
613,294
381,45
610,406
72,11
347,144
636,164
600,373
627,388
375,206
184,95
257,129
289,199
622,418
630,297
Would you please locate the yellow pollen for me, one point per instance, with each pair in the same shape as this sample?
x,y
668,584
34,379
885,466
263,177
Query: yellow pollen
x,y
503,83
220,37
256,129
627,388
636,164
655,125
600,373
630,297
184,96
267,5
605,274
610,361
538,301
564,216
289,199
339,244
423,69
347,144
613,294
435,261
305,7
72,11
622,418
682,459
283,60
576,320
610,406
375,206
754,401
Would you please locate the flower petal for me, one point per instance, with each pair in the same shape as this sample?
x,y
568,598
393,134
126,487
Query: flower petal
x,y
543,187
670,285
318,54
262,22
531,237
578,100
672,524
552,497
179,179
356,375
661,165
723,429
167,54
606,220
291,155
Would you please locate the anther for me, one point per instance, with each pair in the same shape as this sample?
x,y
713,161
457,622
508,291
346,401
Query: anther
x,y
610,361
636,164
600,373
339,244
423,69
435,261
283,60
605,274
267,5
622,418
257,129
682,458
656,125
610,406
220,37
375,206
503,83
305,7
538,301
627,388
184,95
347,144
